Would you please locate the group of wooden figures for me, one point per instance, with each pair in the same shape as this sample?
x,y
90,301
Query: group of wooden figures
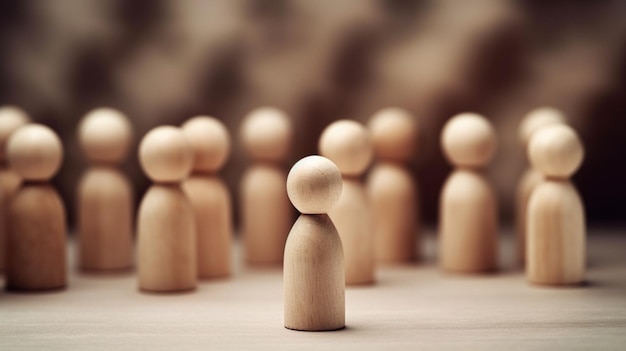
x,y
348,225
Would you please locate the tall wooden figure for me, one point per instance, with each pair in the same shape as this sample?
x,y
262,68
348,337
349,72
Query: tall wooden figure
x,y
556,221
11,118
37,228
534,121
166,226
266,214
348,145
313,270
105,196
391,188
468,215
209,195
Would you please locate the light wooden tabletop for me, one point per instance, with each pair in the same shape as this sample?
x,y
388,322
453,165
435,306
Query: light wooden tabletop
x,y
411,307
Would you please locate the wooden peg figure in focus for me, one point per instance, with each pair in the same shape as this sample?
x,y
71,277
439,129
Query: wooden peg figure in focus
x,y
37,228
391,188
555,250
11,118
105,195
347,143
468,237
266,214
313,269
166,248
534,121
209,195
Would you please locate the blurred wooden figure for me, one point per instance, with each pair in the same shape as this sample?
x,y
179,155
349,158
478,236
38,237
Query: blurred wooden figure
x,y
313,270
266,214
534,121
37,228
166,225
391,188
11,118
105,196
348,145
468,237
209,195
555,221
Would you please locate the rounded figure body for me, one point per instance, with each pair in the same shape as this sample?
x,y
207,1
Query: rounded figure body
x,y
9,183
393,204
313,275
556,235
105,220
36,240
166,241
468,224
211,204
266,214
530,179
351,217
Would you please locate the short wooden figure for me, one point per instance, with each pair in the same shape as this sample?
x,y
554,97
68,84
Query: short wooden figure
x,y
313,270
166,225
555,250
392,189
534,121
209,195
266,214
11,118
468,237
348,144
37,228
105,195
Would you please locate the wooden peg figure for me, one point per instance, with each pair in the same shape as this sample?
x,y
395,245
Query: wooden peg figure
x,y
11,118
468,214
555,220
313,269
37,228
392,189
166,225
266,214
348,145
209,195
534,121
105,195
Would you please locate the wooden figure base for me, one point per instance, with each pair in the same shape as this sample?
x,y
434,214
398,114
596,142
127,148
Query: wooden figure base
x,y
166,248
556,245
352,219
395,216
105,220
468,237
211,203
266,216
37,240
313,275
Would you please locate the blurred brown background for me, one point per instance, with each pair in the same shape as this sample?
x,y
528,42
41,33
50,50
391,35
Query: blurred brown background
x,y
162,62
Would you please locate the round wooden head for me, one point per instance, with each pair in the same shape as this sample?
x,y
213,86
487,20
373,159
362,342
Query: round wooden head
x,y
35,152
468,140
11,118
347,143
394,133
210,141
266,134
556,151
314,185
166,155
105,135
537,119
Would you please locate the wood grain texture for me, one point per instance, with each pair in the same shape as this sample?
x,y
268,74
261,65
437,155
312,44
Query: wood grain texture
x,y
411,307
